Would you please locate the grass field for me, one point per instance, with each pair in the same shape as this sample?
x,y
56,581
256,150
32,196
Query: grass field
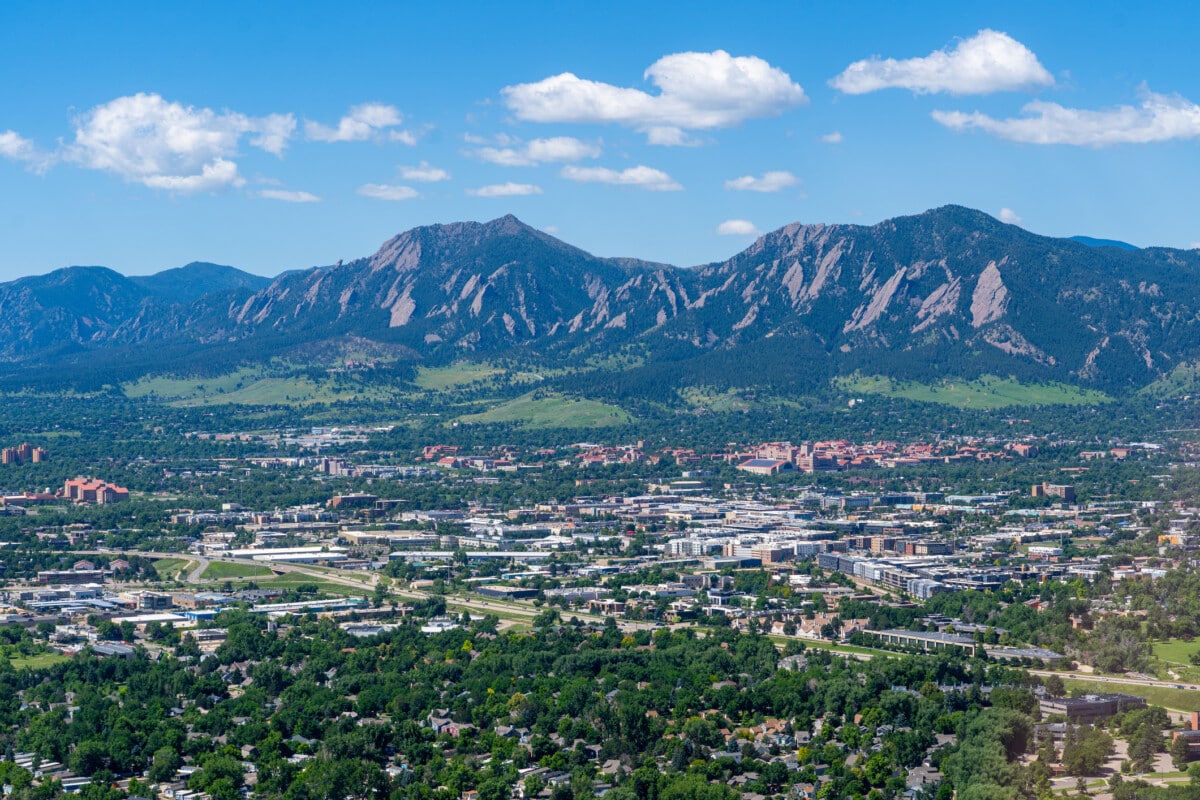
x,y
1173,659
223,569
439,379
1184,379
551,411
464,373
249,387
709,398
1176,651
1176,699
987,393
293,579
170,567
39,661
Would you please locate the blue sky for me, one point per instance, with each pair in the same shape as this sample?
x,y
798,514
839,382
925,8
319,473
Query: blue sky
x,y
272,136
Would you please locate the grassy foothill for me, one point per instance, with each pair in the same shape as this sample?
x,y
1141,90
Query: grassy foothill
x,y
551,411
247,386
987,393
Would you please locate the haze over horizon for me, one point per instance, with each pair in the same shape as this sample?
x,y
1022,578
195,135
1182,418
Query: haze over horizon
x,y
299,135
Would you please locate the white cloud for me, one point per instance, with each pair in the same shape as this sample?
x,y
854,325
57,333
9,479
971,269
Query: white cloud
x,y
289,196
769,182
146,139
15,147
990,61
669,136
737,227
212,177
424,173
363,122
1159,118
696,91
538,151
505,190
1009,216
273,133
653,180
383,191
833,137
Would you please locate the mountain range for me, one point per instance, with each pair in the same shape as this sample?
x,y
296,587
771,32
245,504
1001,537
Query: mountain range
x,y
949,292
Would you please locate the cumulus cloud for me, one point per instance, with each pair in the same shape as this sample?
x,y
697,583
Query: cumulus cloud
x,y
15,147
833,137
671,137
643,177
696,91
990,61
273,132
424,173
166,145
363,123
383,191
769,182
289,196
1159,118
737,227
538,151
1009,216
505,190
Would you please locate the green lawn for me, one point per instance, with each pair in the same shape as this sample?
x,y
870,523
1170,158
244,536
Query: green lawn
x,y
551,411
170,567
291,580
39,661
987,393
1176,651
224,569
1177,699
1173,655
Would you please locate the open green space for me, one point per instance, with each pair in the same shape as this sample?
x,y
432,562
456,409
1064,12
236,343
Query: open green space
x,y
1176,699
551,411
988,392
1183,380
38,661
170,567
713,400
291,580
1172,659
224,569
453,376
1176,651
462,374
247,386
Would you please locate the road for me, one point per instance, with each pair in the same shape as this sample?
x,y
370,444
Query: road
x,y
1116,680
